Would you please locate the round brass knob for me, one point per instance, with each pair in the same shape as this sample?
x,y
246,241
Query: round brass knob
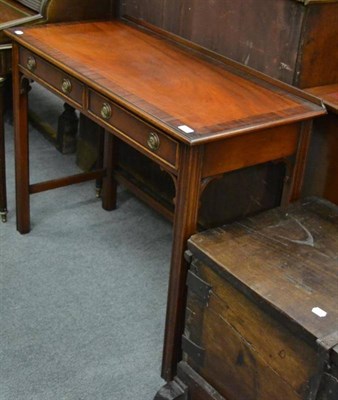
x,y
31,63
106,111
66,85
153,141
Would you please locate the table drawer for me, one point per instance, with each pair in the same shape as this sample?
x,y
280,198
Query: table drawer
x,y
64,84
134,131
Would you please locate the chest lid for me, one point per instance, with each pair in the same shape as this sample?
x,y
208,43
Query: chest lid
x,y
285,260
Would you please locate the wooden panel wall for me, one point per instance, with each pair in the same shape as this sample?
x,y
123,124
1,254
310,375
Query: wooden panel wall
x,y
318,60
266,39
286,39
148,10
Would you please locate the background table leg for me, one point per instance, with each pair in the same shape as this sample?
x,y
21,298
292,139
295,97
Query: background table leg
x,y
109,184
3,191
300,161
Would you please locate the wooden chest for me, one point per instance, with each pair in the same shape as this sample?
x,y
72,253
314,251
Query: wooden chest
x,y
262,308
322,168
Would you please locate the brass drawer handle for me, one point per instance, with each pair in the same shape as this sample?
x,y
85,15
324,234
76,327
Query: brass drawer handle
x,y
31,63
153,141
106,111
66,86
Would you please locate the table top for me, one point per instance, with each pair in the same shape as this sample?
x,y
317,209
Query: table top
x,y
328,94
288,258
193,97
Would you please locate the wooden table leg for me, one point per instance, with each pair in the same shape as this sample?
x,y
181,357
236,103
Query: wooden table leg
x,y
295,166
99,161
109,184
3,191
185,224
20,105
300,159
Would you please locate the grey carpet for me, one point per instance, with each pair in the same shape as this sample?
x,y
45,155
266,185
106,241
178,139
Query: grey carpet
x,y
83,295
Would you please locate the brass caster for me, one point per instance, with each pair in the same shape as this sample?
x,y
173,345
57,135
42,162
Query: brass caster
x,y
3,216
98,193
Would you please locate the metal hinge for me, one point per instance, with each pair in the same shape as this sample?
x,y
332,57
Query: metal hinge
x,y
175,389
194,351
188,256
199,287
334,355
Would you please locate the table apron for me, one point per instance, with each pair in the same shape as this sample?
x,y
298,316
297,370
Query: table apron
x,y
250,149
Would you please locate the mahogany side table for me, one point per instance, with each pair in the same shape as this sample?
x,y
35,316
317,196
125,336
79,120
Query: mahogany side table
x,y
194,113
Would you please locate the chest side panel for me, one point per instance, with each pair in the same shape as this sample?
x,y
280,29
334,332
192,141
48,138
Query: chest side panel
x,y
248,354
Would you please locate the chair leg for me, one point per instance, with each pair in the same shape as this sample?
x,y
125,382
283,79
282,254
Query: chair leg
x,y
3,191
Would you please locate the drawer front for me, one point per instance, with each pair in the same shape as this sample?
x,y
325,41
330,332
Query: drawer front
x,y
134,131
64,84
